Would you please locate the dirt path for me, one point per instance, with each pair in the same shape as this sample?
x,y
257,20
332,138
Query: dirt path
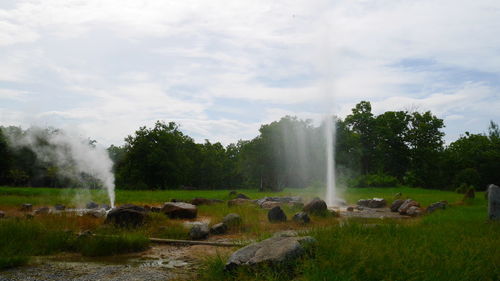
x,y
160,262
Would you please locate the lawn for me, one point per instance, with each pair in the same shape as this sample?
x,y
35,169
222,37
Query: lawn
x,y
458,243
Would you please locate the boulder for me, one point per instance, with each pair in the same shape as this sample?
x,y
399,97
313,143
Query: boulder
x,y
414,211
350,209
59,207
396,204
232,220
219,228
127,215
493,202
403,209
2,214
238,202
292,200
199,231
301,217
316,206
92,205
205,201
363,202
26,207
436,206
269,252
179,210
42,211
276,214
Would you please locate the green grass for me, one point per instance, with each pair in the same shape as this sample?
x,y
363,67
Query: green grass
x,y
458,243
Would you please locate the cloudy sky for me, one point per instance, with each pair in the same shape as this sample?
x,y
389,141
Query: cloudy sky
x,y
222,68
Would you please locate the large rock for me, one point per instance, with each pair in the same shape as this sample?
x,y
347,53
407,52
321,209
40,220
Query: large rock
x,y
403,209
276,214
269,252
269,204
205,201
26,207
316,206
238,202
396,204
219,228
372,203
92,205
301,217
232,220
494,202
436,206
126,216
414,211
179,210
199,231
269,201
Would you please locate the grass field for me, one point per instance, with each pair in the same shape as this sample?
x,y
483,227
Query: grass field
x,y
455,244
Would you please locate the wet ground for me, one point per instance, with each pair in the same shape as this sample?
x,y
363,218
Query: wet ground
x,y
160,262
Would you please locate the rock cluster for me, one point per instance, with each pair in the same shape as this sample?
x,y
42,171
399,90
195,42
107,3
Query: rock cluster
x,y
410,207
372,203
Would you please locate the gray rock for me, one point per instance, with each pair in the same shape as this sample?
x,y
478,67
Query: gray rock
x,y
493,202
301,217
285,200
396,204
276,214
179,210
92,205
155,209
2,214
96,213
316,206
350,209
242,196
269,252
403,209
59,207
414,211
42,211
127,216
269,204
286,233
26,207
199,231
105,207
232,220
219,228
436,206
372,203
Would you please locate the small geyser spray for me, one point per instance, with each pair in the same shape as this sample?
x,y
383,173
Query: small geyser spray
x,y
330,130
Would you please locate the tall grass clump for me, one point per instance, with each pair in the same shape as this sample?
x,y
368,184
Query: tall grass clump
x,y
100,245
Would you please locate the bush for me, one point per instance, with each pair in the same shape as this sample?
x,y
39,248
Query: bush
x,y
374,180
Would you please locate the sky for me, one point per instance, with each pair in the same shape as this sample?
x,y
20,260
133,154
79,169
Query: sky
x,y
221,69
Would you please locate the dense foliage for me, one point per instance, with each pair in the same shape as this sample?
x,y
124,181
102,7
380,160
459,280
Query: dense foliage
x,y
395,147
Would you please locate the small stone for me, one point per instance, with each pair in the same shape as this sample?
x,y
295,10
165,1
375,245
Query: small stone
x,y
232,220
59,207
350,209
219,228
242,196
42,211
276,214
26,207
2,214
436,206
396,204
92,205
414,211
269,204
286,233
199,231
301,217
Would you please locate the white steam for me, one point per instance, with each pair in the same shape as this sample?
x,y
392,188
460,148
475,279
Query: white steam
x,y
75,157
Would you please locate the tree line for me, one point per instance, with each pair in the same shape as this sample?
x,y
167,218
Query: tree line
x,y
393,148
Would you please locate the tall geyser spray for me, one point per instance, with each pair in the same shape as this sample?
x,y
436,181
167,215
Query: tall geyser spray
x,y
330,130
